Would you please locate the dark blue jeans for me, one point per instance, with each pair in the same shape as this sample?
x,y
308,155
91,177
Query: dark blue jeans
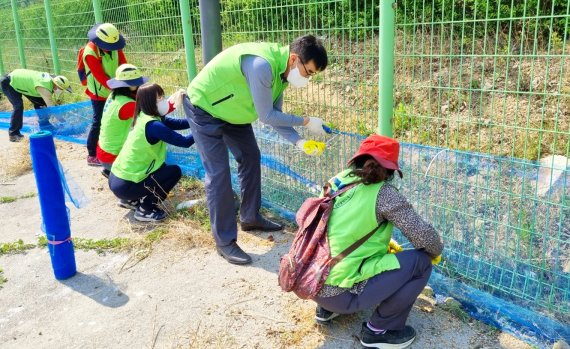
x,y
15,98
393,292
213,139
153,189
93,136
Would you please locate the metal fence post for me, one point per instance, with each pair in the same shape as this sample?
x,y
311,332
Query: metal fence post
x,y
386,66
1,62
18,31
52,42
97,11
188,41
211,28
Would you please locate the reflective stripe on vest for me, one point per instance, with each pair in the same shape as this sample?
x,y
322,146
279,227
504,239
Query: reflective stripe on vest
x,y
109,62
222,90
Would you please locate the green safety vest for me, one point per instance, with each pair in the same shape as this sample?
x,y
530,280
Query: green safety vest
x,y
138,158
114,131
352,217
25,81
110,63
221,88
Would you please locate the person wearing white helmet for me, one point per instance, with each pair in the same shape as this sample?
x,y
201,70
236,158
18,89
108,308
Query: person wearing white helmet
x,y
101,58
118,114
37,87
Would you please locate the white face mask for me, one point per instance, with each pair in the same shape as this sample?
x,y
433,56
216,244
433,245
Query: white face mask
x,y
296,79
163,107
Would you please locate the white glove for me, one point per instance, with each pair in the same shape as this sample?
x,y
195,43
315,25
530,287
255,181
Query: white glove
x,y
315,126
176,98
311,148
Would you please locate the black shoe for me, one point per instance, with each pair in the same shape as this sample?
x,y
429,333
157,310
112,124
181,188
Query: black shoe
x,y
391,339
154,215
263,224
234,254
105,173
129,204
16,138
323,316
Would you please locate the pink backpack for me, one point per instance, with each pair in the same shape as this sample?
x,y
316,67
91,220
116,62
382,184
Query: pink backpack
x,y
306,267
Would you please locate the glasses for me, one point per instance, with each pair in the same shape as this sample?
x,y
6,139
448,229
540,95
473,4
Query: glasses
x,y
306,70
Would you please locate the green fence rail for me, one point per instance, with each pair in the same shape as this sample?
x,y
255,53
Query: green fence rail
x,y
480,98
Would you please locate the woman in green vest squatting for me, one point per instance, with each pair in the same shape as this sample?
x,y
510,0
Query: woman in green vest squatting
x,y
139,174
101,58
241,84
38,88
118,114
374,275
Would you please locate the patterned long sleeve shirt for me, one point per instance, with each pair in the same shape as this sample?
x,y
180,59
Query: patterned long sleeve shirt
x,y
392,206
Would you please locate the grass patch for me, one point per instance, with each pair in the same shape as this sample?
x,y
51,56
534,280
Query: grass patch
x,y
100,246
3,280
455,308
9,199
15,247
197,214
16,162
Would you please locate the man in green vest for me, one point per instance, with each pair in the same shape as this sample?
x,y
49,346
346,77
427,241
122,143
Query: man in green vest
x,y
38,88
240,85
101,58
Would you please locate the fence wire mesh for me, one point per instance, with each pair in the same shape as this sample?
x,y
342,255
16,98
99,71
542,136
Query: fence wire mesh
x,y
482,106
8,46
489,78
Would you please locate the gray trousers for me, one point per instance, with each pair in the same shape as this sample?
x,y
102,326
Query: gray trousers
x,y
393,292
213,138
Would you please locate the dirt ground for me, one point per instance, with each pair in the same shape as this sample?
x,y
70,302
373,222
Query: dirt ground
x,y
177,293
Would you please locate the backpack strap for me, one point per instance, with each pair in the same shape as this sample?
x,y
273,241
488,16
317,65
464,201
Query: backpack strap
x,y
327,189
353,247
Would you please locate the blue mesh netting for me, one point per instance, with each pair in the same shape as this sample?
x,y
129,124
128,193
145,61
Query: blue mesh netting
x,y
507,240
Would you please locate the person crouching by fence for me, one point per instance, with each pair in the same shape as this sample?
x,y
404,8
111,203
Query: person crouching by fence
x,y
38,88
118,115
140,174
373,275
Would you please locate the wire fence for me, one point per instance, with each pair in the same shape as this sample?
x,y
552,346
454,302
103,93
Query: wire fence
x,y
481,104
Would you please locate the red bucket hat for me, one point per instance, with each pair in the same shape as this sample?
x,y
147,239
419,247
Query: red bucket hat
x,y
383,149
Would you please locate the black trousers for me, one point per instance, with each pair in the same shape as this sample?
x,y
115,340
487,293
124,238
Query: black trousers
x,y
392,292
153,189
93,136
15,98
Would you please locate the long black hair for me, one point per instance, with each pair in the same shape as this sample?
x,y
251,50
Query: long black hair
x,y
370,170
147,96
124,91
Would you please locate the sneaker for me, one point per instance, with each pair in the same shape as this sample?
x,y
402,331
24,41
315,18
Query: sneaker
x,y
93,161
16,138
391,339
129,204
154,215
323,316
105,173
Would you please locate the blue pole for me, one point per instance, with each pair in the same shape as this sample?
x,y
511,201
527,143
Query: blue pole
x,y
52,203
